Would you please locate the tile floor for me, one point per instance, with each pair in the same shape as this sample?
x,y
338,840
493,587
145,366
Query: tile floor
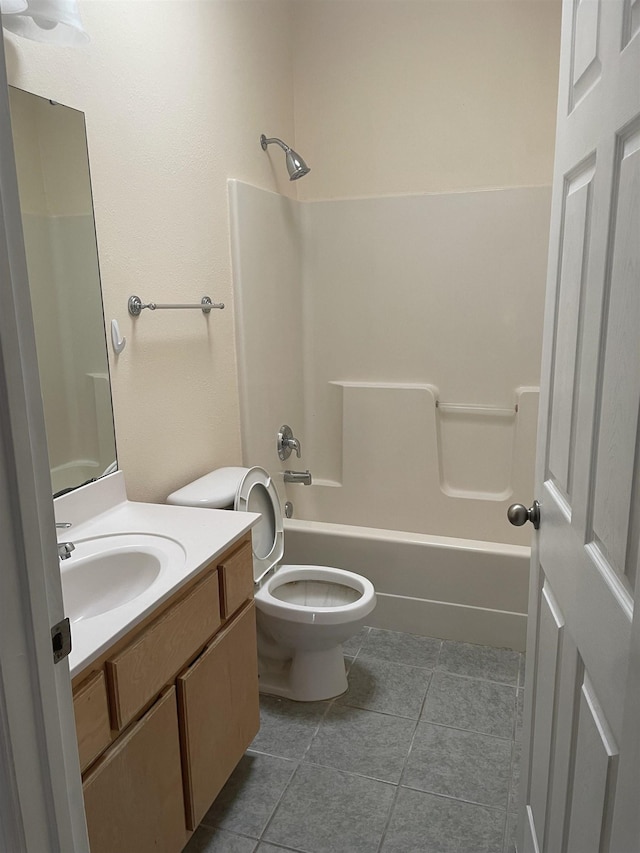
x,y
421,755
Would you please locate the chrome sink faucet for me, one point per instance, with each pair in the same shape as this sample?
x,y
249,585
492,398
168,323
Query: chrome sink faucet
x,y
64,548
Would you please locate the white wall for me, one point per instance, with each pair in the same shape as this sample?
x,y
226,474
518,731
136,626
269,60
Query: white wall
x,y
176,95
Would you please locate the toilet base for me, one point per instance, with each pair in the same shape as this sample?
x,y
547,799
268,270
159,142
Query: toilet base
x,y
310,676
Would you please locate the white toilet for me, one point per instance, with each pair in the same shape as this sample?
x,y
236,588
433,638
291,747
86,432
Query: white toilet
x,y
304,613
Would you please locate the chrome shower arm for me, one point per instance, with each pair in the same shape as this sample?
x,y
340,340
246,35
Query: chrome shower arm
x,y
264,142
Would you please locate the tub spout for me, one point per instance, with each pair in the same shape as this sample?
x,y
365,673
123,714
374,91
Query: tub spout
x,y
303,477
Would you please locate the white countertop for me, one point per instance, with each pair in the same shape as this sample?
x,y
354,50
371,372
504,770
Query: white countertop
x,y
101,509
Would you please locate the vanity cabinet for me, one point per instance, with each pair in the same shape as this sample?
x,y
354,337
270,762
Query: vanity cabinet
x,y
166,713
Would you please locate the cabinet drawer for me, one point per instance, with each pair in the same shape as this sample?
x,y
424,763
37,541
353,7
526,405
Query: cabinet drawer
x,y
218,711
236,579
133,796
91,710
159,652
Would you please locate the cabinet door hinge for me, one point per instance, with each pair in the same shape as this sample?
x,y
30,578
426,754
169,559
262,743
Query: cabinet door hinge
x,y
61,640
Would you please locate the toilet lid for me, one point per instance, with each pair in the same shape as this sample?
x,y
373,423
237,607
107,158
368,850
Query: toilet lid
x,y
257,493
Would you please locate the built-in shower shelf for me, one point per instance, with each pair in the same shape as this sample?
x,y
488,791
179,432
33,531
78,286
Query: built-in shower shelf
x,y
470,409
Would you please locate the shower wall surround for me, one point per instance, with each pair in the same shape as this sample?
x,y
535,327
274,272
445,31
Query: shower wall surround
x,y
366,323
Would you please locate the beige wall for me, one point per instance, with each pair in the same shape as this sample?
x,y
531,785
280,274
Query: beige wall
x,y
176,95
414,96
379,97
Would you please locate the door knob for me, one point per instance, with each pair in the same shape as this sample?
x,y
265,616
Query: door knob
x,y
518,514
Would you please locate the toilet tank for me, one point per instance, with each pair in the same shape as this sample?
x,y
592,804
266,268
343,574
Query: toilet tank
x,y
216,490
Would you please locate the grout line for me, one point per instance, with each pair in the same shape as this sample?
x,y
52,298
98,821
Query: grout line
x,y
435,668
406,760
316,730
375,711
398,786
514,761
362,642
513,684
351,773
496,809
219,829
298,763
366,656
280,798
506,824
470,731
439,655
278,846
404,763
392,808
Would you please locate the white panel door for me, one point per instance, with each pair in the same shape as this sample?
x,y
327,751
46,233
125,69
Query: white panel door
x,y
583,684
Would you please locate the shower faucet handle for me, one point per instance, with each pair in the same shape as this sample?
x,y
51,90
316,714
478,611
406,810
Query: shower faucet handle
x,y
286,443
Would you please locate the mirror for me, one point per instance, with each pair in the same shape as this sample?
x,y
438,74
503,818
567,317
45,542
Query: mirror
x,y
64,279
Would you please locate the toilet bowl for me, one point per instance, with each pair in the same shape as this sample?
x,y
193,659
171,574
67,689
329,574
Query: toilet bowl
x,y
304,613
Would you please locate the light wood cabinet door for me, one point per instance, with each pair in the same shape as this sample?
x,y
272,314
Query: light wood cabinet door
x,y
219,712
158,653
133,796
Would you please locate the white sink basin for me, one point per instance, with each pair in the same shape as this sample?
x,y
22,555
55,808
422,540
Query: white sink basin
x,y
106,572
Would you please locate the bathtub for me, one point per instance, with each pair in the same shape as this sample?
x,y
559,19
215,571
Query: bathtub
x,y
435,586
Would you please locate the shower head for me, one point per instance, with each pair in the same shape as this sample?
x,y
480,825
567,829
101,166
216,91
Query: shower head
x,y
296,166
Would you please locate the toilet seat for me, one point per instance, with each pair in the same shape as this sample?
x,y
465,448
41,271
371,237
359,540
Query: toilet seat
x,y
257,493
297,611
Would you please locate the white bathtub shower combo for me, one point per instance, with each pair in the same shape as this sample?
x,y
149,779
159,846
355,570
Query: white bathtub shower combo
x,y
400,339
304,613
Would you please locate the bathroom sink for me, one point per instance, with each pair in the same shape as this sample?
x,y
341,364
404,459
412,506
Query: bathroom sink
x,y
107,572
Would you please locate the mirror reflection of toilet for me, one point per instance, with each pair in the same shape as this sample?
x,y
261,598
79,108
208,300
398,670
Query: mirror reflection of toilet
x,y
304,613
